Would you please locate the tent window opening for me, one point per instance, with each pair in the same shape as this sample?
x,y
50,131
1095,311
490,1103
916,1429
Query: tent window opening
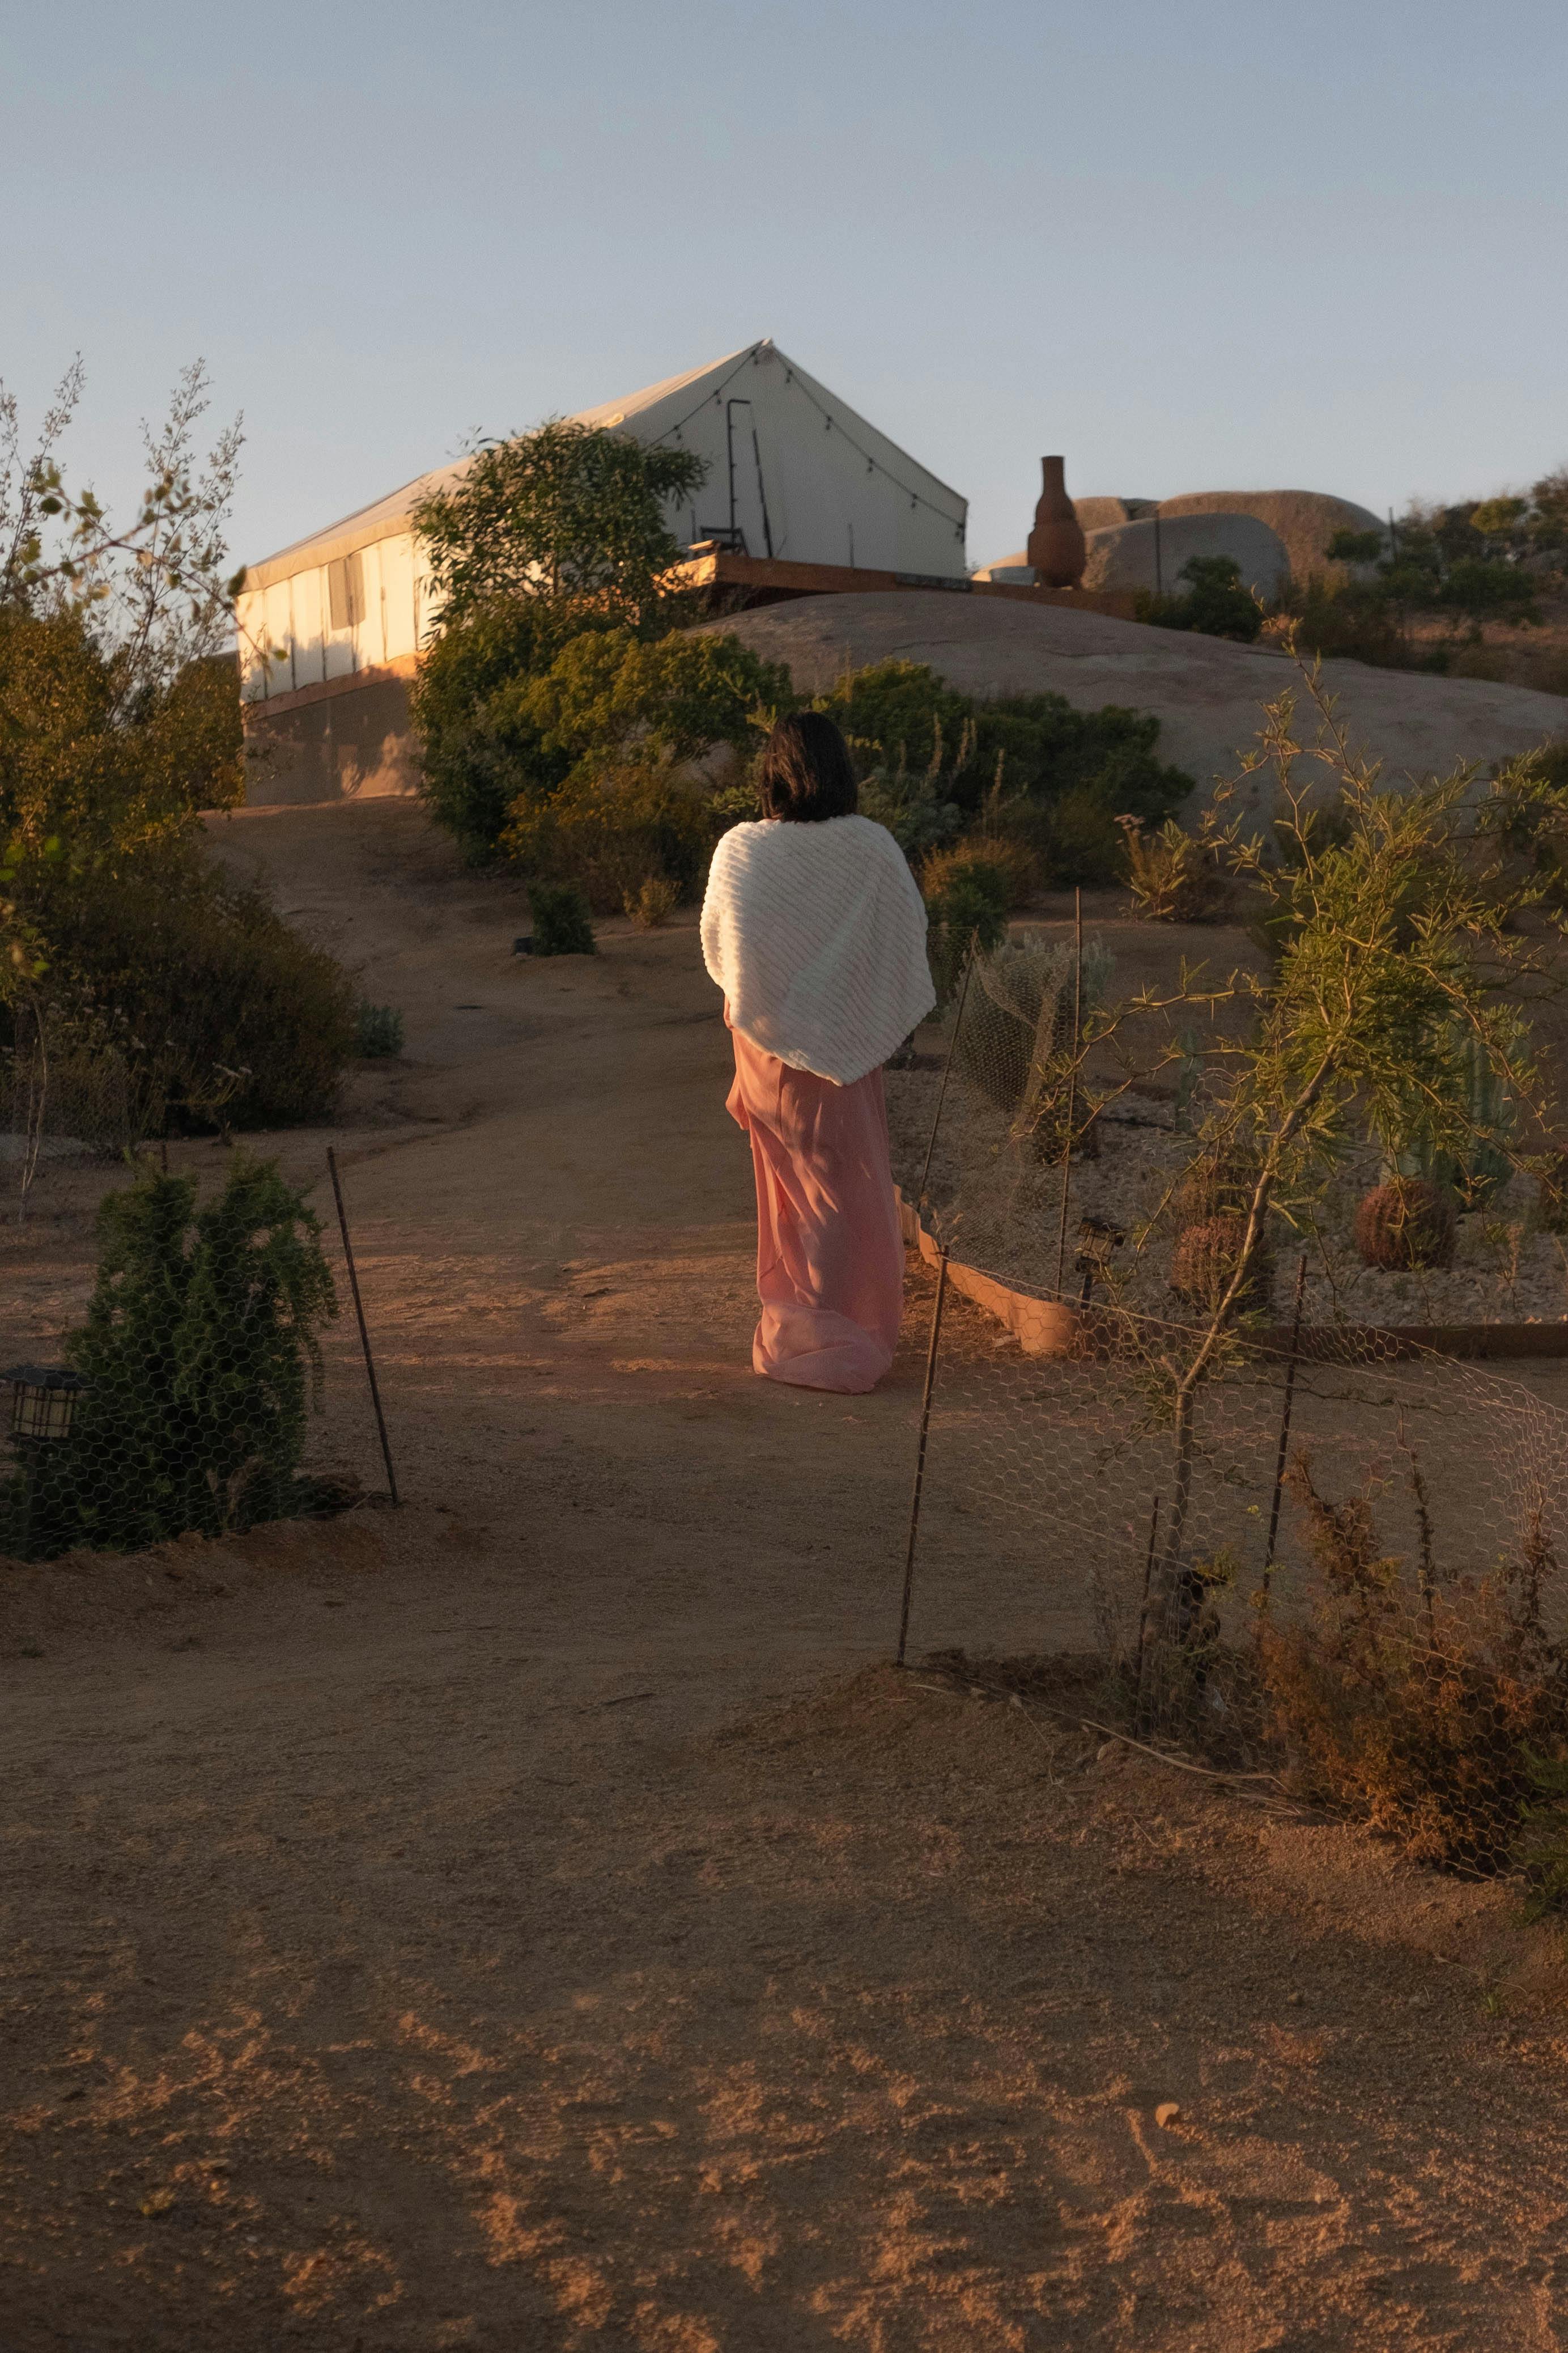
x,y
345,592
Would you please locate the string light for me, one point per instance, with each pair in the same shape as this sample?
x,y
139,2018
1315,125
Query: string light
x,y
873,465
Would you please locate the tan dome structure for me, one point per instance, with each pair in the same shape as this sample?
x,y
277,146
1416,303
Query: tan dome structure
x,y
1104,514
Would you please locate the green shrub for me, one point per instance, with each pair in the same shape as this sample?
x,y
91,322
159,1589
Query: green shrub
x,y
478,753
1424,1709
200,1356
617,723
378,1032
81,760
217,1007
569,518
76,1081
653,902
916,804
1011,861
1218,603
562,924
735,804
899,717
549,539
170,992
968,908
609,691
1174,876
1083,842
607,828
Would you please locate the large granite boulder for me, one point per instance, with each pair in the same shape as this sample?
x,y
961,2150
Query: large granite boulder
x,y
1207,693
1153,553
1304,522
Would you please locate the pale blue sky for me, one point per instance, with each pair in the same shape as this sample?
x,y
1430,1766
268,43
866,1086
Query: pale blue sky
x,y
1191,243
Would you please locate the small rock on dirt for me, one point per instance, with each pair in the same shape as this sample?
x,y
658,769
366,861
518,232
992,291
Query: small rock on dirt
x,y
1167,2113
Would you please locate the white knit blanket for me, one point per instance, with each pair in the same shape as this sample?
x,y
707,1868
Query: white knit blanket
x,y
816,935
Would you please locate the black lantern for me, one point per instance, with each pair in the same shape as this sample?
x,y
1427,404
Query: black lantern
x,y
43,1402
1096,1246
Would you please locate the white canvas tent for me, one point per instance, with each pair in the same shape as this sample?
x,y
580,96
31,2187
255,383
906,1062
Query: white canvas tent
x,y
793,472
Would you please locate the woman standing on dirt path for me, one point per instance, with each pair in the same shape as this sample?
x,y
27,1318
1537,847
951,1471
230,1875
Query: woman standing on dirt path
x,y
815,933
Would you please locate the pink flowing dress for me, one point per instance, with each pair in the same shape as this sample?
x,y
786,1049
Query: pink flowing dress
x,y
830,1258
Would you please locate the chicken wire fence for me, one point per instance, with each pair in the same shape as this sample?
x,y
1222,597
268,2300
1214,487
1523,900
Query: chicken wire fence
x,y
1316,1551
179,1358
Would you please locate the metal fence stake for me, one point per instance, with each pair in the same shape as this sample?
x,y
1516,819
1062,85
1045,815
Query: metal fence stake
x,y
1148,1579
1285,1426
1072,1085
920,1453
946,1069
364,1332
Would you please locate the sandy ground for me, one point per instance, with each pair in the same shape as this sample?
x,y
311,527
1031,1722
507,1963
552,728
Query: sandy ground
x,y
542,1917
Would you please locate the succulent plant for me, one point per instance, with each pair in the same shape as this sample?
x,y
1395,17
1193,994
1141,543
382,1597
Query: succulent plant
x,y
1205,1258
1554,1205
1406,1223
1220,1185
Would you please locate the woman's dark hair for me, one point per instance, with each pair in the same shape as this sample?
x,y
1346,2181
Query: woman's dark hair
x,y
806,772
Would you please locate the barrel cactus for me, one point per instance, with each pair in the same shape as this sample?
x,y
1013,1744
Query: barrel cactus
x,y
1553,1210
1205,1258
1406,1223
1221,1185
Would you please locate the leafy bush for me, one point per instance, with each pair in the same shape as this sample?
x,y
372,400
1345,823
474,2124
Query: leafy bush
x,y
606,828
1349,621
898,715
1025,749
77,762
570,517
653,902
911,805
200,1355
221,1013
1080,839
549,538
1463,565
378,1032
967,908
736,803
1012,861
1217,604
164,990
563,925
1173,875
63,1075
1425,1713
1052,779
617,723
478,751
609,692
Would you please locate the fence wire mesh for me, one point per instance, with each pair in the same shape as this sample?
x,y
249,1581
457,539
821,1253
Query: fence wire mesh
x,y
1314,1550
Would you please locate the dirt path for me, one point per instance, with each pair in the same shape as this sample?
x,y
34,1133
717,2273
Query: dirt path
x,y
539,1918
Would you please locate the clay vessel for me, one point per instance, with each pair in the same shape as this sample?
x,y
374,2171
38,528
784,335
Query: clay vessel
x,y
1057,548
